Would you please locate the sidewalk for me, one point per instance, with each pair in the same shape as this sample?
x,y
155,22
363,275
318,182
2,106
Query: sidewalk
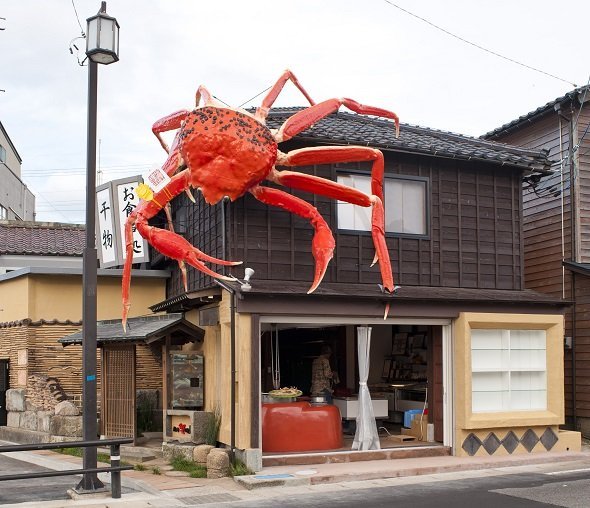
x,y
142,489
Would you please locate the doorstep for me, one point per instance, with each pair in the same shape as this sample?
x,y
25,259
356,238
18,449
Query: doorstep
x,y
340,457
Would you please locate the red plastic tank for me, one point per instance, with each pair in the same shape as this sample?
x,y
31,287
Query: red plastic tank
x,y
300,427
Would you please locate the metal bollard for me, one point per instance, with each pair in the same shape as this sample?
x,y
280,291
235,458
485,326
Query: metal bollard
x,y
115,475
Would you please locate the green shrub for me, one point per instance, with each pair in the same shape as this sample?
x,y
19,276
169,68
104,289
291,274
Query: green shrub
x,y
139,467
212,427
238,468
188,466
156,470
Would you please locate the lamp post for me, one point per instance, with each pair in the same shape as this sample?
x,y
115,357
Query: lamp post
x,y
102,46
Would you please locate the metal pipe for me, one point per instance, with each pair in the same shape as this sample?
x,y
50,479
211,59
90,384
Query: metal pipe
x,y
232,356
89,282
115,475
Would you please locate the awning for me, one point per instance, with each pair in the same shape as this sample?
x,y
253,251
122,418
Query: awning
x,y
146,329
581,268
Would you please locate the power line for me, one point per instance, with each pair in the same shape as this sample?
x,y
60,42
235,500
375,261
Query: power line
x,y
78,19
478,46
257,95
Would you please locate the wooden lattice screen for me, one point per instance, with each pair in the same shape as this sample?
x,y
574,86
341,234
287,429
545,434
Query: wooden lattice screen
x,y
118,391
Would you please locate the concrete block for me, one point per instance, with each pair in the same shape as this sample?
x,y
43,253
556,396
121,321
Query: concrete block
x,y
28,420
251,457
15,399
13,419
66,426
44,421
217,463
200,454
66,408
171,450
197,421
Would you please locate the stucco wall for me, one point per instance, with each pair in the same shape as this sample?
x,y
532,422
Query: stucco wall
x,y
39,296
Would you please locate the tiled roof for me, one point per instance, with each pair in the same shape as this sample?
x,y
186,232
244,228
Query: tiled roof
x,y
41,238
550,106
349,128
145,328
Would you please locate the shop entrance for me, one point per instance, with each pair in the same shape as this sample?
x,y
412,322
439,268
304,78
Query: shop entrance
x,y
405,381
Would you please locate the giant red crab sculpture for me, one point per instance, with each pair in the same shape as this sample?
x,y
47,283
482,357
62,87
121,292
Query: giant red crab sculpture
x,y
222,151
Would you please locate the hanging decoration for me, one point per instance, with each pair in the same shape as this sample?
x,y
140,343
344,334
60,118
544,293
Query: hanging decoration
x,y
226,152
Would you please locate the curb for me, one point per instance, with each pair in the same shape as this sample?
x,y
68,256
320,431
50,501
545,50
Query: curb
x,y
252,482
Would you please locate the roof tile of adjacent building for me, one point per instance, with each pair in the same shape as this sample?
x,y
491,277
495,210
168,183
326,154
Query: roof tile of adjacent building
x,y
41,238
540,111
349,128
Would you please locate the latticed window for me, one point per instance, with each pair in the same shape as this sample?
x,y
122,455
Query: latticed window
x,y
405,205
509,370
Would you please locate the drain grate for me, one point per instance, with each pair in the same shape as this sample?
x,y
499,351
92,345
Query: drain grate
x,y
209,499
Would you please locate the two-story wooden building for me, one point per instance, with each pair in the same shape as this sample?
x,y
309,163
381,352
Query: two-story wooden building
x,y
463,337
556,227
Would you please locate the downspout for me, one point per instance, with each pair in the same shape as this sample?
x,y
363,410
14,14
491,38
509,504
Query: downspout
x,y
573,243
574,206
232,350
574,391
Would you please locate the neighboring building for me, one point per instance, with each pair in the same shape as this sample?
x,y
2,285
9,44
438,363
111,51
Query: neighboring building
x,y
557,228
454,233
40,244
17,202
41,302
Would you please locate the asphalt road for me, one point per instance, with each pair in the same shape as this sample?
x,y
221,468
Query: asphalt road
x,y
528,490
38,489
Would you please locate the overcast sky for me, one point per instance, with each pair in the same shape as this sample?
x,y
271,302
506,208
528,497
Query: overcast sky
x,y
367,50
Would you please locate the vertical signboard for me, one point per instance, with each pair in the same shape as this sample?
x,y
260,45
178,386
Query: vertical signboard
x,y
116,200
127,200
106,234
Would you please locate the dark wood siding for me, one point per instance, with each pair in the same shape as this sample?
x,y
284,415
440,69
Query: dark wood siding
x,y
473,239
547,221
583,165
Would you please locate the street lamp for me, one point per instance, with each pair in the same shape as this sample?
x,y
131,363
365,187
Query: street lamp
x,y
102,46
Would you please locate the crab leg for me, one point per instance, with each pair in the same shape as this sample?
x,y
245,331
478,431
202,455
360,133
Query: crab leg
x,y
167,242
324,187
271,97
307,117
323,242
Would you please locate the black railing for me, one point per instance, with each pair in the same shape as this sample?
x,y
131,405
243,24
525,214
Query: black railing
x,y
115,468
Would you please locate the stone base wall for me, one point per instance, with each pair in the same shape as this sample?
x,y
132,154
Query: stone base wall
x,y
62,422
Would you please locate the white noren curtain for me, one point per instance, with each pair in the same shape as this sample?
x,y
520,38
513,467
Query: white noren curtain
x,y
366,436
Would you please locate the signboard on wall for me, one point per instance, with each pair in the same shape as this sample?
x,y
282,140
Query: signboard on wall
x,y
115,201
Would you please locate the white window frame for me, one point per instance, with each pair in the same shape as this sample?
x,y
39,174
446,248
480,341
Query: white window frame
x,y
3,213
2,154
357,218
509,370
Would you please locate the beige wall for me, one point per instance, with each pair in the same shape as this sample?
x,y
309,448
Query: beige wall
x,y
14,299
49,297
501,423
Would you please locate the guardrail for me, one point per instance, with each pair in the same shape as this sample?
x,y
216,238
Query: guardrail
x,y
115,468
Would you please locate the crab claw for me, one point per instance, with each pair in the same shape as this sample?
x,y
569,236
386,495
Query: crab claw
x,y
322,247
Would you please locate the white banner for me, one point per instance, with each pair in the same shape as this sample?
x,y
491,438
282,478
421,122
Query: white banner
x,y
127,201
106,228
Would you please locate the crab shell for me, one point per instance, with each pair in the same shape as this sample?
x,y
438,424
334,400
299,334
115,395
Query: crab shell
x,y
228,152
